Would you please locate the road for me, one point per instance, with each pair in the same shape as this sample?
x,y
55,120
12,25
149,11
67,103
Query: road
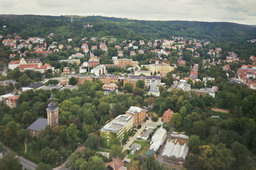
x,y
26,164
133,138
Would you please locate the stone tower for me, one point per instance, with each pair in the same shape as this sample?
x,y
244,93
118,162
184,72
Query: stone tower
x,y
52,113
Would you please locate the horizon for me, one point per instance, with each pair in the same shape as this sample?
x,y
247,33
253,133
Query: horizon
x,y
236,11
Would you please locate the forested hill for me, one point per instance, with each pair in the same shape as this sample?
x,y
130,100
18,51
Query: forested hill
x,y
33,25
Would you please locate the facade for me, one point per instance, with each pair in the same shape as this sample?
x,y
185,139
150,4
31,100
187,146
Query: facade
x,y
167,116
99,70
125,62
163,69
117,127
110,87
52,113
137,113
154,90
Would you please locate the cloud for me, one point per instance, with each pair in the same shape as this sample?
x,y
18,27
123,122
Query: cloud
x,y
242,11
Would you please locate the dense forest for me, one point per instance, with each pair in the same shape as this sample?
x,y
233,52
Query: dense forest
x,y
27,25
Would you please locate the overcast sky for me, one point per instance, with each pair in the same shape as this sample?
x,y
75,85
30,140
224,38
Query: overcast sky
x,y
239,11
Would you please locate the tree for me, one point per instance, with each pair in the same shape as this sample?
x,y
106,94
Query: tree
x,y
140,84
72,133
94,163
43,166
194,143
93,141
73,81
116,151
10,162
176,120
138,92
241,154
128,88
216,157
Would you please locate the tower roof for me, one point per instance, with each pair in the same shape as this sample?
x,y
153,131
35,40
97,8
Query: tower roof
x,y
52,105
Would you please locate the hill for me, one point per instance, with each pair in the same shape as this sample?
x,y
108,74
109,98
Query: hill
x,y
34,25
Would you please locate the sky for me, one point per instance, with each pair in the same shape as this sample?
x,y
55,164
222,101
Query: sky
x,y
238,11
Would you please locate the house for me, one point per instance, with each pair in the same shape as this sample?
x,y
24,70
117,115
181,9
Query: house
x,y
13,64
116,164
137,113
167,116
154,90
99,70
93,61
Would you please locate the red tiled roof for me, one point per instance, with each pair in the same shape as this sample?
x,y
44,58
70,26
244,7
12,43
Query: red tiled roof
x,y
14,62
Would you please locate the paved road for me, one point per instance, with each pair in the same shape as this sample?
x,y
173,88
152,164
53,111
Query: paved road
x,y
26,164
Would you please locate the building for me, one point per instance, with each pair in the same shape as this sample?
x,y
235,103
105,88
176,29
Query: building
x,y
72,61
142,72
124,62
12,101
163,69
110,87
117,128
137,113
167,116
247,73
82,78
176,148
154,90
29,64
158,139
52,113
210,91
93,61
99,70
183,85
52,119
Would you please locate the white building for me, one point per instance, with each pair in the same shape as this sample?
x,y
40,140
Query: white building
x,y
176,148
158,139
99,70
154,90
